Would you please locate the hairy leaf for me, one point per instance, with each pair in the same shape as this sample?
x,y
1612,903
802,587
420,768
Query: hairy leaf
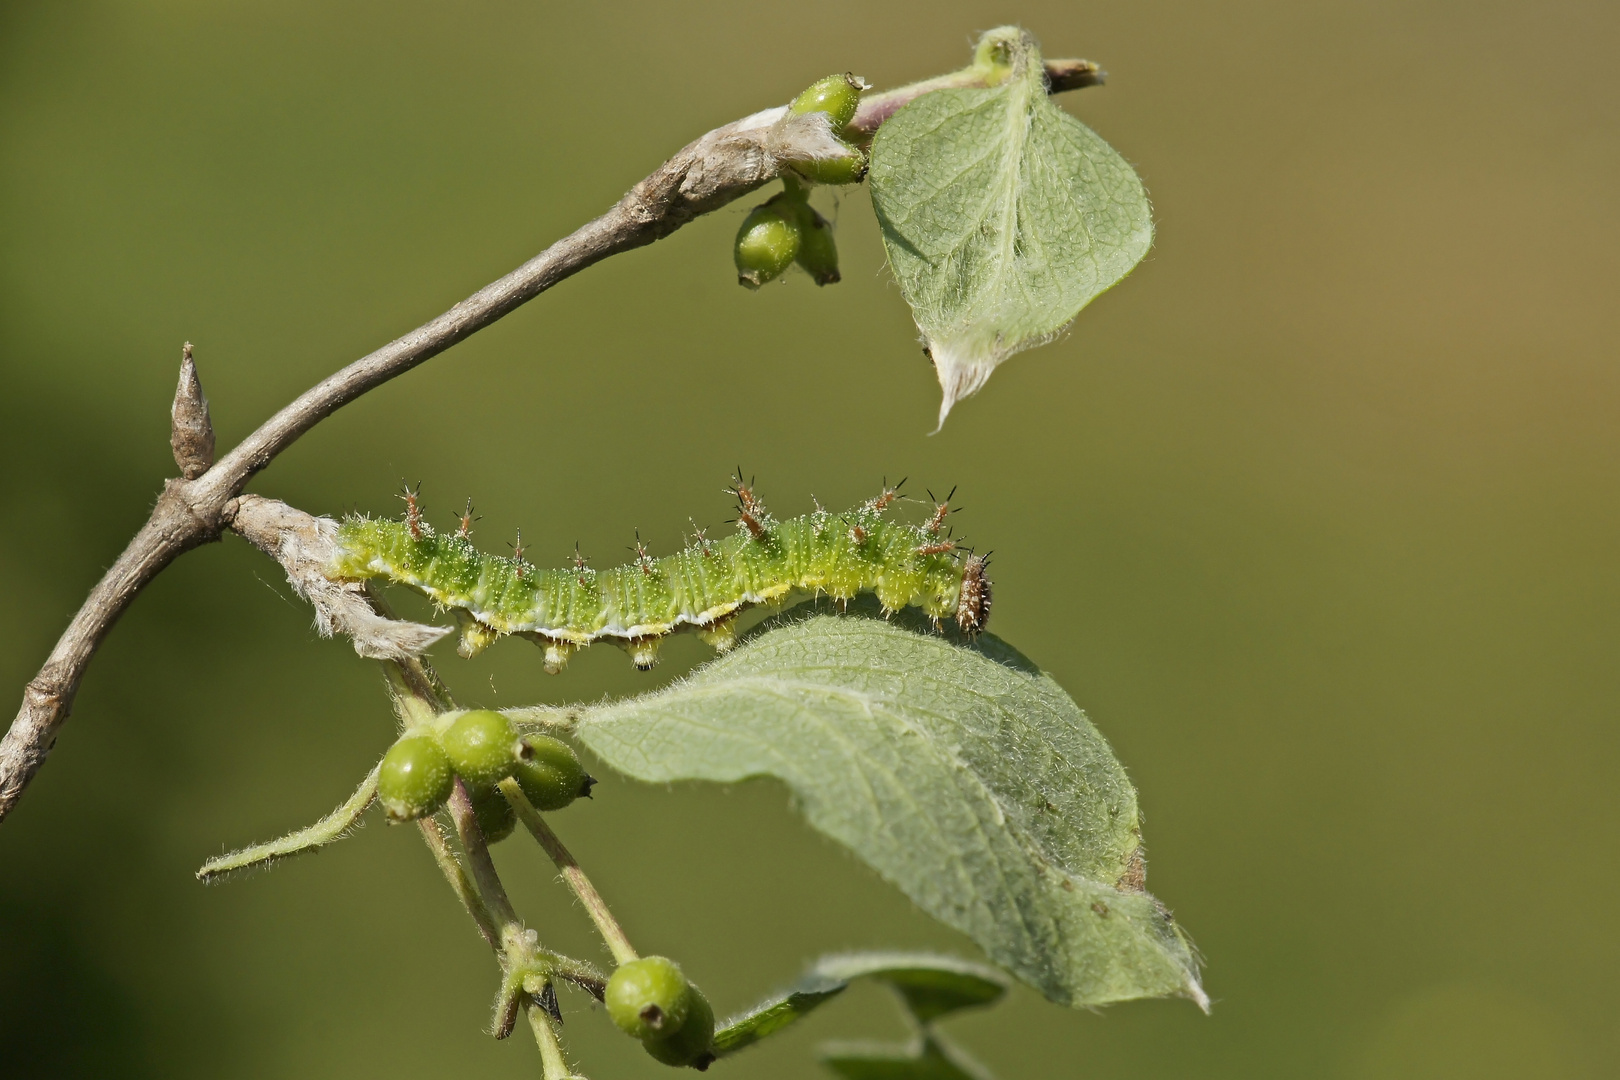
x,y
930,1057
333,826
776,1012
930,986
956,769
1003,215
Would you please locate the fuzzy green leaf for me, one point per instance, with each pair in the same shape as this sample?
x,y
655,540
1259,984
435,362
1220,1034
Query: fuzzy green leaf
x,y
929,1058
776,1012
334,826
956,769
930,986
1002,214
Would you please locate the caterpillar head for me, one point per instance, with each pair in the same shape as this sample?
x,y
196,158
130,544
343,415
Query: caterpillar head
x,y
973,602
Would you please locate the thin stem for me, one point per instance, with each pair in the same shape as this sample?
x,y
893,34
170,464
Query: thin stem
x,y
552,1064
875,108
595,906
456,875
484,876
415,687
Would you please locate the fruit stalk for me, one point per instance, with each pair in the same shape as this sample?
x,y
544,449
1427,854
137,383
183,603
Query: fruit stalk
x,y
553,1066
606,925
456,875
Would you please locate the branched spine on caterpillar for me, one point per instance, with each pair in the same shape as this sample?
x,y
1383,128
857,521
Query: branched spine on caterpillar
x,y
703,587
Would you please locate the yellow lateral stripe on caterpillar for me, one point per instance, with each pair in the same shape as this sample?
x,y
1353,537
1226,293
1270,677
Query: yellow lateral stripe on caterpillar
x,y
702,587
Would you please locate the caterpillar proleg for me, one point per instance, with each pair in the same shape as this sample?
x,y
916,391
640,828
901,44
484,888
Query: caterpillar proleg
x,y
702,587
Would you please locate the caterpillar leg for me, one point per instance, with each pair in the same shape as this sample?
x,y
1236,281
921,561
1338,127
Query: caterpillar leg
x,y
557,653
475,636
721,634
643,652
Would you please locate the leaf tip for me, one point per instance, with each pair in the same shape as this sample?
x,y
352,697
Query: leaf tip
x,y
1195,992
962,372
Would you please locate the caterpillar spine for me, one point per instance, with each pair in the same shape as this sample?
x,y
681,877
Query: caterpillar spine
x,y
702,588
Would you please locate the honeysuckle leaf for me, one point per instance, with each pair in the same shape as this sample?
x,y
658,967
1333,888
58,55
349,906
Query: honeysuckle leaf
x,y
929,1057
776,1012
929,985
1002,214
334,826
956,769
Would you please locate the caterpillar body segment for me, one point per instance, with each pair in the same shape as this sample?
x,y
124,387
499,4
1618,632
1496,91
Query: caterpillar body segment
x,y
702,587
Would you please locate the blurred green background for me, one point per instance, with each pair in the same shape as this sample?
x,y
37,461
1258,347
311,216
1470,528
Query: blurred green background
x,y
1315,514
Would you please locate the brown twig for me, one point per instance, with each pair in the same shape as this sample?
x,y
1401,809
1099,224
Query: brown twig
x,y
717,168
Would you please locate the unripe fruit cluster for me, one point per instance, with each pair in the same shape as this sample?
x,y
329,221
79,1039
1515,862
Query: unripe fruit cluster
x,y
652,1000
786,229
838,96
419,771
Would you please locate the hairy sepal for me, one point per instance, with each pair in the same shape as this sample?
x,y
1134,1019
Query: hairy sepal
x,y
805,137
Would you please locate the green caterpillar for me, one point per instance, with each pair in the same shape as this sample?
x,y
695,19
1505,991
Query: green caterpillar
x,y
703,587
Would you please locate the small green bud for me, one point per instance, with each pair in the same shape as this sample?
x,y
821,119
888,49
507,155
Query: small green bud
x,y
837,95
650,998
415,778
693,1044
549,772
496,818
996,53
482,747
818,254
849,169
766,244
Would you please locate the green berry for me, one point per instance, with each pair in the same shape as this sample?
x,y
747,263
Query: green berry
x,y
818,254
496,818
837,95
693,1044
650,998
482,747
849,169
549,772
415,778
766,244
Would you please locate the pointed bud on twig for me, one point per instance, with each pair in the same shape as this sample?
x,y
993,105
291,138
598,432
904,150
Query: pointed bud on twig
x,y
192,435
